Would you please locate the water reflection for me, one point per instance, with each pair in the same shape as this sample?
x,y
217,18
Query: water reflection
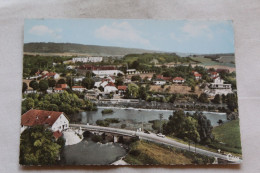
x,y
141,115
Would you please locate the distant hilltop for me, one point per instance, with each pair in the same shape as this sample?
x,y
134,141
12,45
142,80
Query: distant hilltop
x,y
71,49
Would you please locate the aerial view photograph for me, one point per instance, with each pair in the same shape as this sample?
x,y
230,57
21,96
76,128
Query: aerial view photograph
x,y
129,92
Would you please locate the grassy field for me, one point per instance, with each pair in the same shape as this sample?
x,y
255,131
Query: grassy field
x,y
143,152
229,135
209,62
149,153
175,88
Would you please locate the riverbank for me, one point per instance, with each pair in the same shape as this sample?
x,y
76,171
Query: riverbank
x,y
219,108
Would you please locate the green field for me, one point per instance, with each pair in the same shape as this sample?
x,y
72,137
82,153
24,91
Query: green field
x,y
210,62
143,152
229,134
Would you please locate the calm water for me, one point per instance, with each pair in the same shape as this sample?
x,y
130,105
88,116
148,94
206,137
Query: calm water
x,y
88,152
141,115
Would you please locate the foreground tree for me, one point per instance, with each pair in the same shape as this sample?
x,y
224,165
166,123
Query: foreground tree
x,y
38,147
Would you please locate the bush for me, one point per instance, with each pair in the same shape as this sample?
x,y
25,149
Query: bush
x,y
107,111
96,138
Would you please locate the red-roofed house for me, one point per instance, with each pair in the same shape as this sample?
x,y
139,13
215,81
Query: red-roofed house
x,y
179,80
56,121
122,89
78,88
214,74
51,75
164,78
197,76
110,87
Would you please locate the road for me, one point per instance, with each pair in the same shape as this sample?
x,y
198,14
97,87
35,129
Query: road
x,y
154,138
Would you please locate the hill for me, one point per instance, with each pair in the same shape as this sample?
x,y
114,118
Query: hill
x,y
69,49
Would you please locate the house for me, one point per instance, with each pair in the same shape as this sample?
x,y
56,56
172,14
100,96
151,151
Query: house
x,y
122,89
214,74
159,82
218,87
30,90
78,88
55,121
164,78
110,87
58,90
49,90
78,79
51,75
87,59
197,75
63,86
178,80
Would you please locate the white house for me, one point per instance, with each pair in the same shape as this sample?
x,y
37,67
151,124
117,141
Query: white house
x,y
107,72
110,87
78,79
218,87
87,59
159,82
78,88
197,75
56,121
214,74
178,80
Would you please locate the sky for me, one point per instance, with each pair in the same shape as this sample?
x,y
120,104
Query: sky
x,y
181,36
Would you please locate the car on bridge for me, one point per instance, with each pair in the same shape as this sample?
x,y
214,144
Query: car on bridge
x,y
161,135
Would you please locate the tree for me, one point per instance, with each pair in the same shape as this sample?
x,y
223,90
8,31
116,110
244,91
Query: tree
x,y
27,104
24,87
43,85
182,126
38,147
142,93
34,85
132,91
231,100
88,83
216,99
220,122
61,81
204,128
173,98
51,83
203,98
136,78
119,81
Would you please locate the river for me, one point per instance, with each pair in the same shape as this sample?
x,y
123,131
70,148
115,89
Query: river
x,y
140,115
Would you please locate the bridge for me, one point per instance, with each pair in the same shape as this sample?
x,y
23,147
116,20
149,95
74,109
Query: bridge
x,y
154,138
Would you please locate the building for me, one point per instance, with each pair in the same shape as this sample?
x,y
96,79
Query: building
x,y
178,80
197,75
78,88
51,75
55,121
218,87
87,59
122,89
214,74
110,87
99,71
164,78
159,82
